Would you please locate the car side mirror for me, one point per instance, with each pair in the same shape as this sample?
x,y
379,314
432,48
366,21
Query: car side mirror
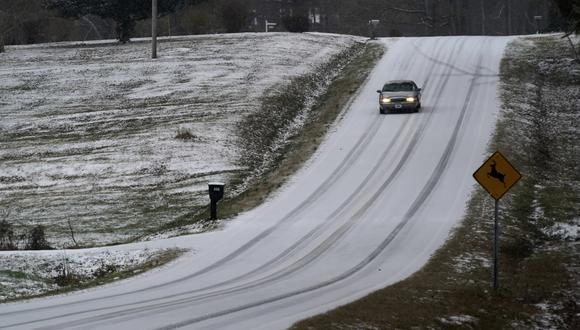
x,y
378,90
418,89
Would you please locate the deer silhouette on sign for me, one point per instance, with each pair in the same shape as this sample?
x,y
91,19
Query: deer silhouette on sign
x,y
495,174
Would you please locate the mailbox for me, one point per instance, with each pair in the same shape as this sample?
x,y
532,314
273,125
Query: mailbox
x,y
216,193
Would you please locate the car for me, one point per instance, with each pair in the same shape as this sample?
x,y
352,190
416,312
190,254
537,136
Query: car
x,y
399,95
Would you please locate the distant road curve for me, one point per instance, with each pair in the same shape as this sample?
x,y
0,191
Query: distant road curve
x,y
380,196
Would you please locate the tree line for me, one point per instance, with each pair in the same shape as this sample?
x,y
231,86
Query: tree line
x,y
34,21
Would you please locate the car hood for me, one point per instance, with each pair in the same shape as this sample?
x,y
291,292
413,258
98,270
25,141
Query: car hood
x,y
399,94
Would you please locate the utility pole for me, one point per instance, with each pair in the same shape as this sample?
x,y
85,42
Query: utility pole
x,y
482,17
509,17
154,29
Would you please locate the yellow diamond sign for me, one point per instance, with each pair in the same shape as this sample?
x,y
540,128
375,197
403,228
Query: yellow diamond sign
x,y
497,175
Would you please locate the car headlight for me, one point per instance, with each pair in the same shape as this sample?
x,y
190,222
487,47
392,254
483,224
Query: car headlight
x,y
410,99
385,100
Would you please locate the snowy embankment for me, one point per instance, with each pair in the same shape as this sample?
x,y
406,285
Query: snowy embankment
x,y
88,131
26,274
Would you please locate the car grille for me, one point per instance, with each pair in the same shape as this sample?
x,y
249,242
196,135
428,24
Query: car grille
x,y
398,99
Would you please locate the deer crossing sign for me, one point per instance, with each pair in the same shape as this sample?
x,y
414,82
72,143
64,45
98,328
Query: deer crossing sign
x,y
497,175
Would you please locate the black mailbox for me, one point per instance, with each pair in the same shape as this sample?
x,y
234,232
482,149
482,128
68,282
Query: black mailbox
x,y
216,193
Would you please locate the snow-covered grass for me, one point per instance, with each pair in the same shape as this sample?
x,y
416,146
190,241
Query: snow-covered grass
x,y
24,275
540,254
459,320
90,133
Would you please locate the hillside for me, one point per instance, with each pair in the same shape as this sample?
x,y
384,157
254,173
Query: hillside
x,y
100,140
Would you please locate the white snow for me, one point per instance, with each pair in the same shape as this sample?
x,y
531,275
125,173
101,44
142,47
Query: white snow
x,y
470,261
565,231
459,320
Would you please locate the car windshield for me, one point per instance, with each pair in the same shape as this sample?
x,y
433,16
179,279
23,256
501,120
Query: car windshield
x,y
398,87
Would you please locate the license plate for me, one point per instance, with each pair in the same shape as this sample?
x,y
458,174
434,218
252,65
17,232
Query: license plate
x,y
398,106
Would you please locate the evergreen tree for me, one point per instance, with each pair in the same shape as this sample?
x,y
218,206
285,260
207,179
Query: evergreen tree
x,y
123,12
37,239
570,10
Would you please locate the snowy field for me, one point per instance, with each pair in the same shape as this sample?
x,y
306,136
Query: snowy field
x,y
88,131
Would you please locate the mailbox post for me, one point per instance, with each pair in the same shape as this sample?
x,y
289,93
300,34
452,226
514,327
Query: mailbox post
x,y
216,193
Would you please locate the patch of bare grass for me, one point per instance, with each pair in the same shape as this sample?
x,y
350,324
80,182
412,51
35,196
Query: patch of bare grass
x,y
184,134
540,273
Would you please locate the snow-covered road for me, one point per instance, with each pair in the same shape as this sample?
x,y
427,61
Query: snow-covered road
x,y
379,197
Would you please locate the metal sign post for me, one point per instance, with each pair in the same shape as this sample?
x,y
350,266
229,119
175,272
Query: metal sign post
x,y
496,247
496,176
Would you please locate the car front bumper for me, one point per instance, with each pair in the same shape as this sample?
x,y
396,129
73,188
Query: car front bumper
x,y
399,106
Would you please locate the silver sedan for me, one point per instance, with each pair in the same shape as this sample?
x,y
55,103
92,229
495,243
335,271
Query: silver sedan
x,y
399,95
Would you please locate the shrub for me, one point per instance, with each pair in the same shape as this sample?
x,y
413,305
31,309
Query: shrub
x,y
105,269
6,236
66,278
184,134
37,239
